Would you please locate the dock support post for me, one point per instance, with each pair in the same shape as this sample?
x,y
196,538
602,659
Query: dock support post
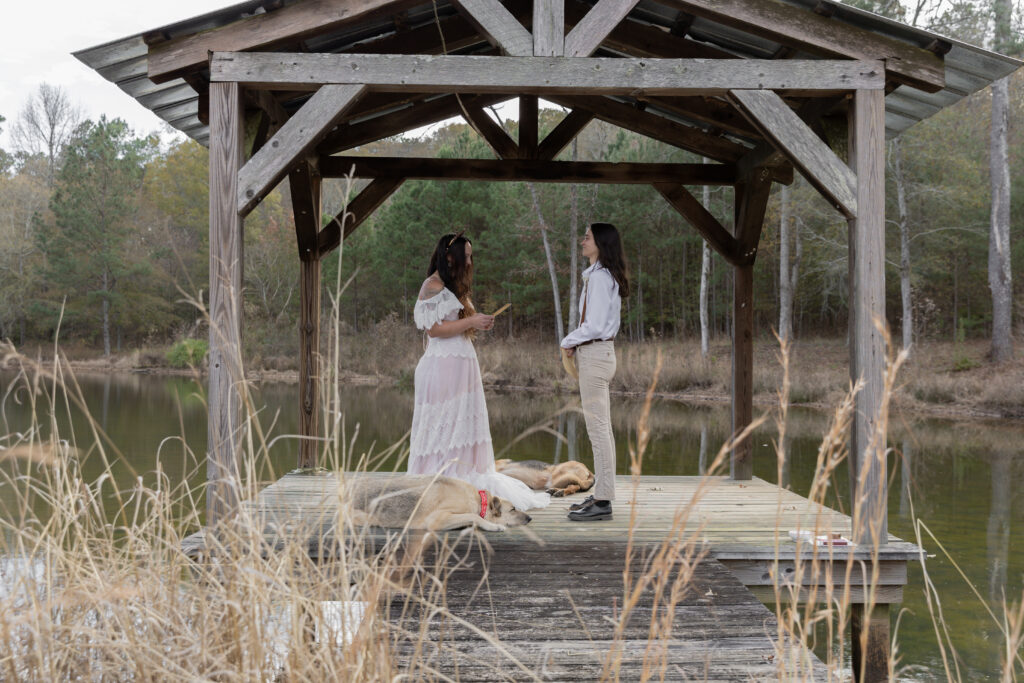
x,y
870,643
224,427
305,183
741,464
868,480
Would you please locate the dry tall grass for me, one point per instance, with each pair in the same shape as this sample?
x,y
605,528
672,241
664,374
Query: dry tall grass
x,y
95,584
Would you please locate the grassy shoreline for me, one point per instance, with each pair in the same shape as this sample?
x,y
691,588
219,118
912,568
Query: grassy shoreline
x,y
941,379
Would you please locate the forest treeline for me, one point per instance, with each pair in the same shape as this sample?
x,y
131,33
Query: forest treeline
x,y
103,232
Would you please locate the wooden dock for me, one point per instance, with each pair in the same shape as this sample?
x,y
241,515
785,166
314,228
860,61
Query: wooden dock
x,y
554,588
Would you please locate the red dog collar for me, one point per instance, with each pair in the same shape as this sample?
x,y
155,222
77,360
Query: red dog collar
x,y
483,504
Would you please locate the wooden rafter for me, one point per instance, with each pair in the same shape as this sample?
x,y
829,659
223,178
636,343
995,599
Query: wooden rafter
x,y
500,27
495,136
657,127
542,76
718,238
537,170
590,32
298,136
548,28
567,129
358,210
805,30
414,116
794,138
293,22
716,112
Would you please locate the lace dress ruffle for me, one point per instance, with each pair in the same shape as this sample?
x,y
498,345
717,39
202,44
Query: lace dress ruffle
x,y
450,429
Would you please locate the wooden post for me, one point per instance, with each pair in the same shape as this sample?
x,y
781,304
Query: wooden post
x,y
223,399
305,184
309,365
867,309
741,465
870,633
870,647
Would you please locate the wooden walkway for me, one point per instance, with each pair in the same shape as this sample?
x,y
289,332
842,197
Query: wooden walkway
x,y
553,588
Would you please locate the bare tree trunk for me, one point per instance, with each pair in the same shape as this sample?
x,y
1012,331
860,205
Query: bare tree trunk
x,y
574,250
785,283
559,329
999,280
106,316
705,273
904,222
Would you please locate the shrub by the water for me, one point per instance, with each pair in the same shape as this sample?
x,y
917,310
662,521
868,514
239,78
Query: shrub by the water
x,y
187,353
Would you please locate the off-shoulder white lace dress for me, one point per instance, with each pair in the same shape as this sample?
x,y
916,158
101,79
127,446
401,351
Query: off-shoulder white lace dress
x,y
450,431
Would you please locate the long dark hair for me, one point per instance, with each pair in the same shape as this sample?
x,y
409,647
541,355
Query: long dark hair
x,y
611,254
456,273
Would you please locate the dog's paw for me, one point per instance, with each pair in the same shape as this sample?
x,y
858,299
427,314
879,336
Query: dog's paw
x,y
556,493
500,527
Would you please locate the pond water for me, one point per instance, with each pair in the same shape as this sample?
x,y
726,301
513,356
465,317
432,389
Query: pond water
x,y
959,478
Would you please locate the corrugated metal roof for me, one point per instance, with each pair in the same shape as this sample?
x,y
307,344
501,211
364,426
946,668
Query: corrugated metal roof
x,y
968,68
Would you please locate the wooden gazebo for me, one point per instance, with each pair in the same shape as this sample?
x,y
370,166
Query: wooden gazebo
x,y
282,88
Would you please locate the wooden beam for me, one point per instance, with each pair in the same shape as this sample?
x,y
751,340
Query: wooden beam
x,y
288,24
500,27
718,113
548,28
805,30
869,646
752,194
590,32
306,206
413,116
504,146
541,75
567,129
309,364
867,309
296,138
794,138
657,127
718,238
528,123
537,170
741,462
357,211
644,40
304,183
224,428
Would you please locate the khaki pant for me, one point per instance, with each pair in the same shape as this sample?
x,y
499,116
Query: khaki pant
x,y
596,364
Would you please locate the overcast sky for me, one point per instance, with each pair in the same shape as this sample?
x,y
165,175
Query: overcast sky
x,y
37,38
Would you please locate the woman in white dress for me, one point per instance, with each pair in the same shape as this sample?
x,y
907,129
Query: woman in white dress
x,y
450,431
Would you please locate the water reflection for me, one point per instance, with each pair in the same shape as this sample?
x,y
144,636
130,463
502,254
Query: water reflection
x,y
958,478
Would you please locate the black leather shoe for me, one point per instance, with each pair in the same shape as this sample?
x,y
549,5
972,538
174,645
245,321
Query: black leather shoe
x,y
593,512
582,504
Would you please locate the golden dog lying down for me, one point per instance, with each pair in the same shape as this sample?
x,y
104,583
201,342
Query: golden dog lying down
x,y
559,480
428,502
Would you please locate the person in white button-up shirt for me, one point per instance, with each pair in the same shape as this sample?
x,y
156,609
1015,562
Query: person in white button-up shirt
x,y
604,283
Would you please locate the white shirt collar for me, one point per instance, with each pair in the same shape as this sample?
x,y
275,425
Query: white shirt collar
x,y
590,269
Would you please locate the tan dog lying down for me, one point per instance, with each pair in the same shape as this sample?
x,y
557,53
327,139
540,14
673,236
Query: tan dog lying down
x,y
562,479
428,502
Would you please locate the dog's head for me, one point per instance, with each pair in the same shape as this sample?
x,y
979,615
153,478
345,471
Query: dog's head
x,y
501,512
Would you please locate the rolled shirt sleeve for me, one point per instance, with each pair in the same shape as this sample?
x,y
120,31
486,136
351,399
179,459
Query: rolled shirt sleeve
x,y
603,310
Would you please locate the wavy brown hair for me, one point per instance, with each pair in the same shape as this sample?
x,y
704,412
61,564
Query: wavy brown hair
x,y
456,272
611,254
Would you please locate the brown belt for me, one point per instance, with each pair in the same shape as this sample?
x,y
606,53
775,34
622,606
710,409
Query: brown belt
x,y
591,341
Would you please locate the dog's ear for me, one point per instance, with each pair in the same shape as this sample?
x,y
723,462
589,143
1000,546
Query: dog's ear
x,y
495,505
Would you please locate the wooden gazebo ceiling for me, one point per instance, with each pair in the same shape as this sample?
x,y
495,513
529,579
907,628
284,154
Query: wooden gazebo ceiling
x,y
713,29
709,126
